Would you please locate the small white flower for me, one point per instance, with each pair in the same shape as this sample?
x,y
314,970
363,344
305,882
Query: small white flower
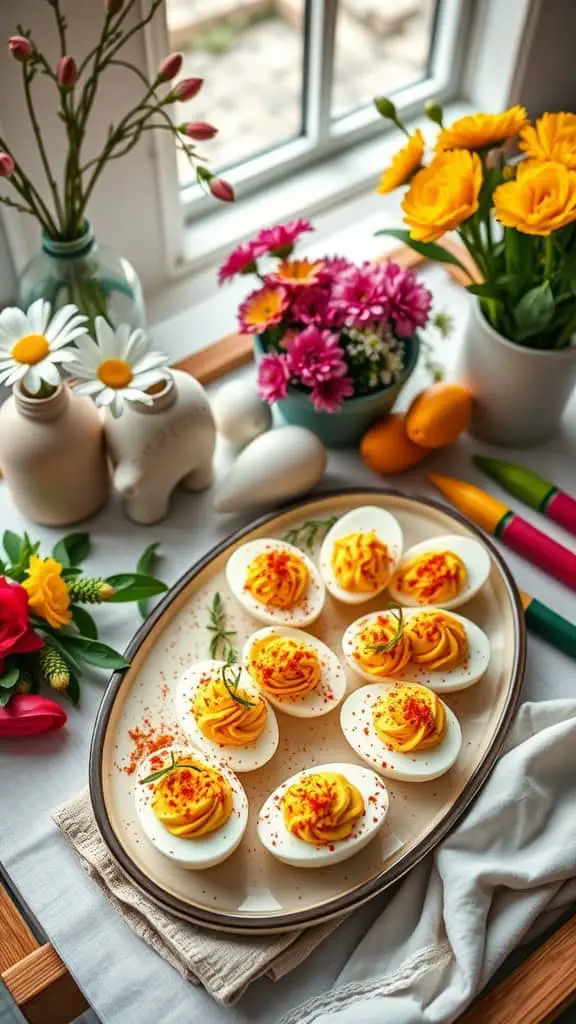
x,y
32,344
119,368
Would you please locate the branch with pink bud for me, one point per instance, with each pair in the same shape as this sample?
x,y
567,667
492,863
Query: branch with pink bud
x,y
76,83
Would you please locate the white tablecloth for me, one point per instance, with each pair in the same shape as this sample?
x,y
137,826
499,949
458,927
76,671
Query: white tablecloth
x,y
123,979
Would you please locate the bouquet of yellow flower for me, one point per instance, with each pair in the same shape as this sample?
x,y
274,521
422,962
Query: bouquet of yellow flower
x,y
516,218
47,635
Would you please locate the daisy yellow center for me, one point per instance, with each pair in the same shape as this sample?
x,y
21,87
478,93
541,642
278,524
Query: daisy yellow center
x,y
30,349
115,373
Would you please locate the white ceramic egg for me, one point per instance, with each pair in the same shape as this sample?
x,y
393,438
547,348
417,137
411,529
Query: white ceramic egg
x,y
443,681
471,551
288,848
324,697
193,854
361,520
414,766
280,464
239,412
239,759
302,614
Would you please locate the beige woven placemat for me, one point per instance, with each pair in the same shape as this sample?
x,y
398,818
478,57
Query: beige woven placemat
x,y
225,964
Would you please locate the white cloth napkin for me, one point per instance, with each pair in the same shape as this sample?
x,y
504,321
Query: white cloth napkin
x,y
494,882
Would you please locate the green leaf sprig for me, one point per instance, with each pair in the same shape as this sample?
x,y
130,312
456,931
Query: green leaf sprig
x,y
397,614
309,532
232,685
167,769
221,646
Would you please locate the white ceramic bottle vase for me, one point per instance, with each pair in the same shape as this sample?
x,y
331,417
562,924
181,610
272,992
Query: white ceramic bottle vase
x,y
53,457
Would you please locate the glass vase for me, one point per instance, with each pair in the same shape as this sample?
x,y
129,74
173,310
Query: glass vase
x,y
95,278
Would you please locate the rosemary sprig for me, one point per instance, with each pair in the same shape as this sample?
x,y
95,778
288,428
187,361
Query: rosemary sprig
x,y
306,535
167,769
232,687
221,646
382,648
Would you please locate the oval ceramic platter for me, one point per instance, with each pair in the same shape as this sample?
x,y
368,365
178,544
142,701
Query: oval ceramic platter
x,y
253,892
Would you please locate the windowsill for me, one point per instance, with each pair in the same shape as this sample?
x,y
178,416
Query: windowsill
x,y
330,192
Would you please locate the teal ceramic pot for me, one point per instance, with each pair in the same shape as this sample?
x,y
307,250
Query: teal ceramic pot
x,y
344,428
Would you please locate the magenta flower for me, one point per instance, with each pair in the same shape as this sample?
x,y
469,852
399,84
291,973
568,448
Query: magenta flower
x,y
408,301
328,395
279,241
333,266
201,131
170,67
361,295
21,48
242,260
314,355
273,377
6,165
186,88
310,305
66,72
222,190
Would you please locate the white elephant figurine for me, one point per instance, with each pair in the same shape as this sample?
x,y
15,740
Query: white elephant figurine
x,y
156,447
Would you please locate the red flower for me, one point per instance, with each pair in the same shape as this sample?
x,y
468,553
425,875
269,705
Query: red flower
x,y
21,48
66,72
170,67
221,189
199,130
16,633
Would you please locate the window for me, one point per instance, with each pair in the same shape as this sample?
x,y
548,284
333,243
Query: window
x,y
288,82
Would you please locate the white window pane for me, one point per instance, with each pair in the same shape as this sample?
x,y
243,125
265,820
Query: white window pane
x,y
250,54
381,46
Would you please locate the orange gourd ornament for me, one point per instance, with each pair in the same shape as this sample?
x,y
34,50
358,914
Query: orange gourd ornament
x,y
438,415
386,448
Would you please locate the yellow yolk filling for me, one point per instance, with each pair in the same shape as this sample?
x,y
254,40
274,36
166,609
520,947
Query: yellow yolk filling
x,y
283,667
433,577
410,718
361,562
224,720
438,641
277,578
190,803
381,663
322,808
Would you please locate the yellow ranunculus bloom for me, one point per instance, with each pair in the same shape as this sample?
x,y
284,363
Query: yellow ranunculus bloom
x,y
482,131
47,592
552,137
541,200
443,195
406,161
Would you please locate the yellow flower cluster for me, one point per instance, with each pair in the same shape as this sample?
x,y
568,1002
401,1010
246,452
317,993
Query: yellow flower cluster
x,y
445,194
47,592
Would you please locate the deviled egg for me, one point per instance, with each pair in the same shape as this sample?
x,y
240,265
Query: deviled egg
x,y
276,582
360,553
443,571
440,649
190,807
295,671
323,815
221,710
403,731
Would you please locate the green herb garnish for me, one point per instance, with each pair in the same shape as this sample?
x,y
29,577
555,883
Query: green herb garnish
x,y
382,648
306,535
167,769
221,646
232,686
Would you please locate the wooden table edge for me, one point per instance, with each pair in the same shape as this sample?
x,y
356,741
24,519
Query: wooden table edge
x,y
46,993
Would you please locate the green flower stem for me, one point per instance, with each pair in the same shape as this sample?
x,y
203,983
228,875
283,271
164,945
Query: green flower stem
x,y
27,77
548,256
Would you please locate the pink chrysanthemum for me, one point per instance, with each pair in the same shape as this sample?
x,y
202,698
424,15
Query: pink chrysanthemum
x,y
262,309
360,294
242,260
310,305
408,301
279,240
328,395
333,267
314,356
273,377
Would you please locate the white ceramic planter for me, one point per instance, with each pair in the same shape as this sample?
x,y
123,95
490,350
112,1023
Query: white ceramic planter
x,y
519,393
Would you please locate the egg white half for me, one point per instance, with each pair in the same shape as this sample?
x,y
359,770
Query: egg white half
x,y
361,520
302,614
239,759
473,554
443,681
416,766
192,854
288,848
324,697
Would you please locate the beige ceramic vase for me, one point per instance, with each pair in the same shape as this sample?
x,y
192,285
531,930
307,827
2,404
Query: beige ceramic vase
x,y
53,457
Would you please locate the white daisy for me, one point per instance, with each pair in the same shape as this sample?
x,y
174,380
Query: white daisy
x,y
119,368
32,344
